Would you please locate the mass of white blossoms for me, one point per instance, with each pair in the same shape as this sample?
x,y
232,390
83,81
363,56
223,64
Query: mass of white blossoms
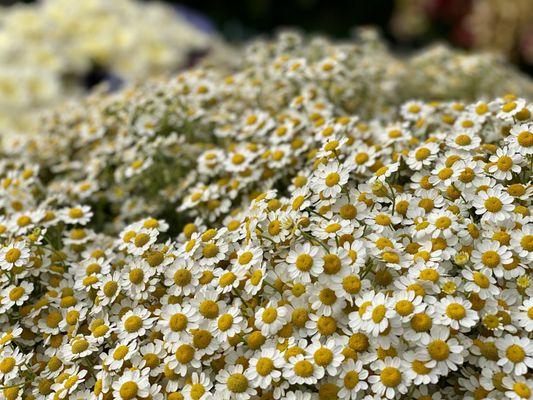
x,y
275,244
210,140
46,50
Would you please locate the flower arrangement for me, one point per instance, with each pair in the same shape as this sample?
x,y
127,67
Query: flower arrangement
x,y
212,138
45,60
242,236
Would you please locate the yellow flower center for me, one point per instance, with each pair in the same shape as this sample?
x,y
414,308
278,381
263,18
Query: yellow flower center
x,y
505,163
184,354
182,277
382,219
445,173
304,262
128,390
443,222
493,204
361,158
303,368
438,350
421,322
527,243
136,276
7,365
326,325
391,376
420,367
227,279
351,379
422,154
141,239
133,323
455,311
404,307
351,284
201,338
256,277
323,356
515,353
490,259
525,139
245,257
120,352
481,280
327,296
522,390
16,293
299,317
151,360
197,391
209,309
332,179
110,288
178,322
224,322
463,140
210,250
378,313
237,383
269,315
332,264
79,346
12,255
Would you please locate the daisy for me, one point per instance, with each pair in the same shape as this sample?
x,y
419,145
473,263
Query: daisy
x,y
493,205
504,163
445,353
516,354
524,315
352,380
182,277
390,379
303,262
271,318
12,363
265,367
300,370
131,384
176,320
76,215
521,139
199,387
489,255
14,255
118,355
234,383
135,323
517,388
456,313
329,179
14,295
228,324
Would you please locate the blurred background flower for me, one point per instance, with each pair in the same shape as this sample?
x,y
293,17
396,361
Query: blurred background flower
x,y
502,26
56,49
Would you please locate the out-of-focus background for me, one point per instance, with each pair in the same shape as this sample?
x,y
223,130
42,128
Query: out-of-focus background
x,y
503,26
55,50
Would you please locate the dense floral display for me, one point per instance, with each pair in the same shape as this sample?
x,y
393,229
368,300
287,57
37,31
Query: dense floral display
x,y
47,50
210,140
276,233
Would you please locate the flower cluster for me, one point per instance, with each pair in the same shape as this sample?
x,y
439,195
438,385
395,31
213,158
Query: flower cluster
x,y
47,50
209,140
395,263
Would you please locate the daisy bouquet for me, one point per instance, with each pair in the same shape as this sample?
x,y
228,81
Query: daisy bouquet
x,y
296,249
